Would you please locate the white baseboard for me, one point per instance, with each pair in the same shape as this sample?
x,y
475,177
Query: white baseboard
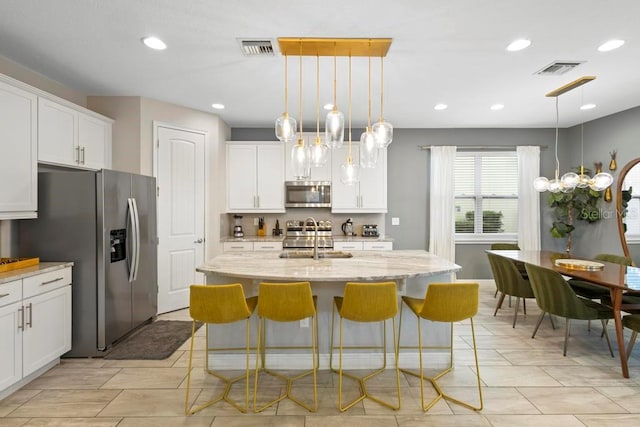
x,y
26,380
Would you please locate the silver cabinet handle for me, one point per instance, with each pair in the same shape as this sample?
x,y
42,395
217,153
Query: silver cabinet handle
x,y
82,151
200,240
21,315
4,295
258,198
48,282
30,321
77,159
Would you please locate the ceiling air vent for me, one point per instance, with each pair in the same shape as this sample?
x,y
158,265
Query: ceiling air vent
x,y
558,68
256,47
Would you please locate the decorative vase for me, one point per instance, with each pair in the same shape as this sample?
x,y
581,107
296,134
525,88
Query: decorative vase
x,y
612,164
607,195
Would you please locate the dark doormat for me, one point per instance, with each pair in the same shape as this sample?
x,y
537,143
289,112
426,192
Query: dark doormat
x,y
155,341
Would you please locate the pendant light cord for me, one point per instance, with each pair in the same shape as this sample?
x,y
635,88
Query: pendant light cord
x,y
349,158
557,124
381,88
335,79
300,138
317,99
286,79
582,138
369,96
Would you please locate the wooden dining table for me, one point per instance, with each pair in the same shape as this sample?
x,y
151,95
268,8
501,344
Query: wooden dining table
x,y
619,279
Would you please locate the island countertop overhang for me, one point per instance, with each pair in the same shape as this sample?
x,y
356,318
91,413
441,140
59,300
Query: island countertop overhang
x,y
364,265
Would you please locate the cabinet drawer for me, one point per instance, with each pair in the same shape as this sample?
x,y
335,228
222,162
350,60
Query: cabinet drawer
x,y
267,246
46,282
347,246
237,246
377,246
10,292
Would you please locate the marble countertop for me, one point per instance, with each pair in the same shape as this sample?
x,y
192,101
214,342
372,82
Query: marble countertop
x,y
21,273
364,265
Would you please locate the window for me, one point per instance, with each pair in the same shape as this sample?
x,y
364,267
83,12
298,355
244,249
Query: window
x,y
486,195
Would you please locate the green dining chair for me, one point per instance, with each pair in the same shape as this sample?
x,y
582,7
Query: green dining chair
x,y
632,322
555,296
510,282
591,290
519,265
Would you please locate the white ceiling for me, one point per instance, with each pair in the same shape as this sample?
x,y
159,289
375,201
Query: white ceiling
x,y
443,51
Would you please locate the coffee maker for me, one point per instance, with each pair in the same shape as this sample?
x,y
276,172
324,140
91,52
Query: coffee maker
x,y
237,226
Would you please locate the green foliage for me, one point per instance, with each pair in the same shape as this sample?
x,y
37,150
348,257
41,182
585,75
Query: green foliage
x,y
625,199
581,204
491,222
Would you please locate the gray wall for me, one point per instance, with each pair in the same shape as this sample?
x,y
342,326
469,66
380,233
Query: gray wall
x,y
408,172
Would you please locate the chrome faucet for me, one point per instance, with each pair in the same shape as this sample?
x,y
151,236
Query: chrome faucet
x,y
315,237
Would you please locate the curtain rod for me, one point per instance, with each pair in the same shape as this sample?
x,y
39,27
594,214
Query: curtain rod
x,y
482,147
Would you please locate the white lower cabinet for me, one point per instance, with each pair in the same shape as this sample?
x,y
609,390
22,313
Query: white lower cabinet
x,y
237,246
363,246
35,324
267,246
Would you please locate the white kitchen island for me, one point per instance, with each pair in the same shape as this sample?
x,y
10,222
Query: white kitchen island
x,y
412,270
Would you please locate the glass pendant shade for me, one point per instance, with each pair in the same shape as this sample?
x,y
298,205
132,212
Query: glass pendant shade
x,y
541,184
583,181
300,160
368,150
286,127
555,185
319,153
349,173
601,181
383,133
334,129
570,180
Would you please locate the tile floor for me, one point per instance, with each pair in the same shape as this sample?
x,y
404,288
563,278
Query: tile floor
x,y
526,383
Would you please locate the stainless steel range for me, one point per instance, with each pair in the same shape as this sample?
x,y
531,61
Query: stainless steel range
x,y
300,235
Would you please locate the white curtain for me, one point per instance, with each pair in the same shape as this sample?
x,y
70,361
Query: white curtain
x,y
528,198
442,202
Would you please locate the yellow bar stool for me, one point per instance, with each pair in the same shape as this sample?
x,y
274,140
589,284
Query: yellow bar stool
x,y
444,302
365,302
286,302
220,304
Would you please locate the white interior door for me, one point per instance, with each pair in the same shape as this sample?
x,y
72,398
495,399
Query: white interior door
x,y
181,211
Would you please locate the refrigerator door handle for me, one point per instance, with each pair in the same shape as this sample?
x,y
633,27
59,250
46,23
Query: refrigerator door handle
x,y
137,236
131,258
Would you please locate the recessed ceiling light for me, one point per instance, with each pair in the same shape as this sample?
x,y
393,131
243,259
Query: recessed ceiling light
x,y
328,107
588,106
496,107
440,107
519,45
154,43
218,106
610,45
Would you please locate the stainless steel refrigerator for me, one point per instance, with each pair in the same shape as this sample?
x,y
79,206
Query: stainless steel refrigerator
x,y
105,222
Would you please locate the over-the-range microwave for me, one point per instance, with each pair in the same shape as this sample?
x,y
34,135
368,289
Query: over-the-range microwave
x,y
307,194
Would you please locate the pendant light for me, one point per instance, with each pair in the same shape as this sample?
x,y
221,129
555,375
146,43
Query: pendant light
x,y
382,130
349,171
368,146
319,150
568,182
285,124
300,164
334,123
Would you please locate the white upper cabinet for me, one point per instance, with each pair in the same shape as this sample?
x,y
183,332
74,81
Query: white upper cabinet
x,y
70,137
369,195
317,173
18,148
255,177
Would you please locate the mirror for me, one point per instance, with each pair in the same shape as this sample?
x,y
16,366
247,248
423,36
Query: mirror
x,y
626,170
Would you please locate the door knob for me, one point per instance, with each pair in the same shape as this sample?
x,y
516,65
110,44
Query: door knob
x,y
200,240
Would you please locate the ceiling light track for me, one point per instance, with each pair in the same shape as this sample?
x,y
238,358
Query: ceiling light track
x,y
312,46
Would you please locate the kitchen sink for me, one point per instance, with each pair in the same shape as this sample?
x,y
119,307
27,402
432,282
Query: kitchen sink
x,y
309,254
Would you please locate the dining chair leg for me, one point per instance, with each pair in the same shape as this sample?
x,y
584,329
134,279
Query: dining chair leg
x,y
538,324
515,312
604,329
524,305
495,294
499,304
567,325
632,341
553,326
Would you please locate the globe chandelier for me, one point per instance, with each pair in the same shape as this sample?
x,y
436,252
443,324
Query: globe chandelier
x,y
568,182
